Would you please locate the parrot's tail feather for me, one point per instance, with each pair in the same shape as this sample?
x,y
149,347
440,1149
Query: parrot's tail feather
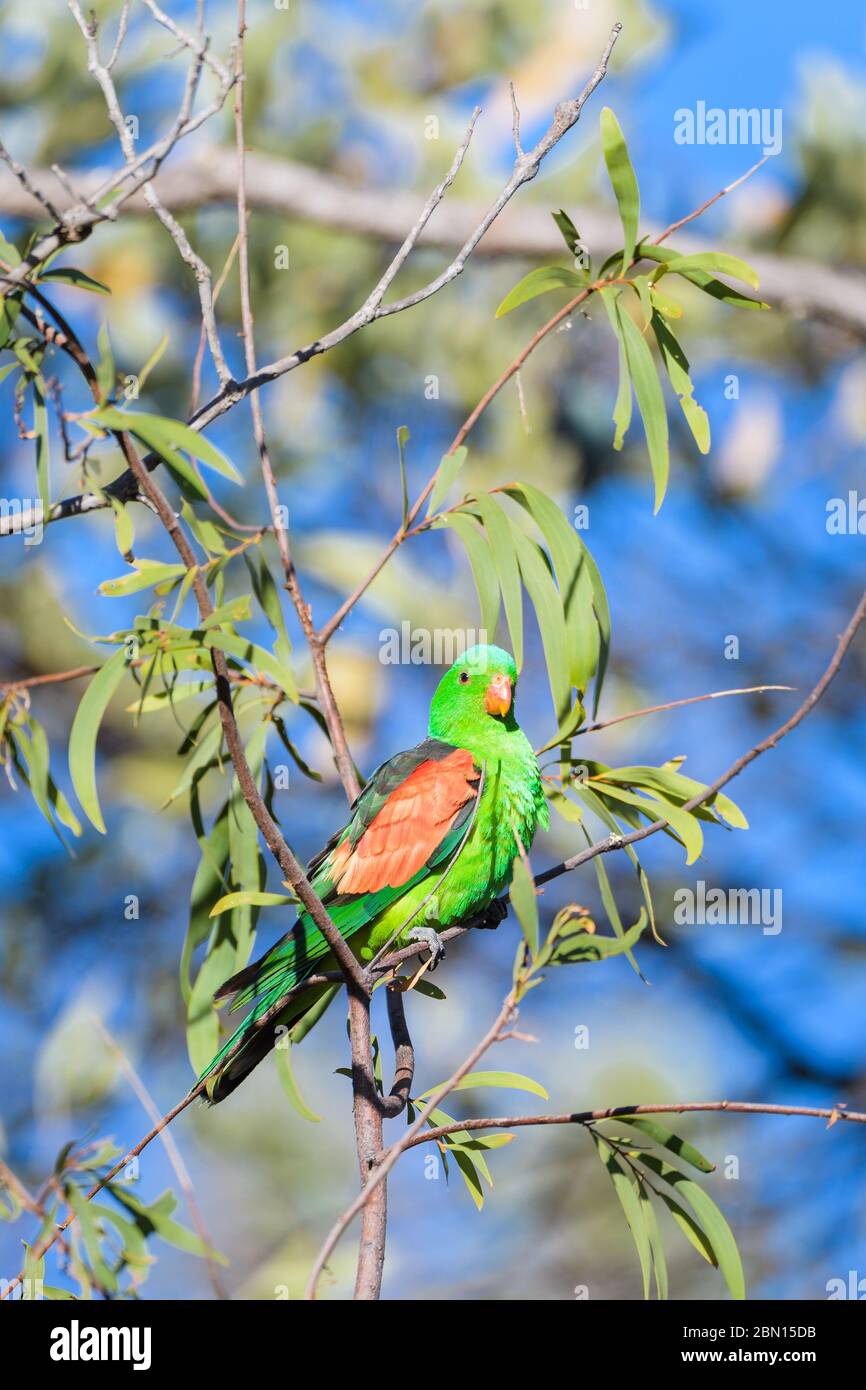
x,y
244,977
255,1048
258,1035
266,982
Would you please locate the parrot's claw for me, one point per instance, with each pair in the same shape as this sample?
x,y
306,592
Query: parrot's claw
x,y
492,915
432,940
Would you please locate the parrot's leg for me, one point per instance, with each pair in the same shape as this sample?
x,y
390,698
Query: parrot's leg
x,y
492,916
432,940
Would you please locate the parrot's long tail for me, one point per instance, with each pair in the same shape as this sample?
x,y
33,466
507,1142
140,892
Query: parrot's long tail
x,y
262,1031
265,983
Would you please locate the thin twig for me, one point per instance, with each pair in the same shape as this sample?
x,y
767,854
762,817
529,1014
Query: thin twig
x,y
200,269
585,1117
676,704
723,192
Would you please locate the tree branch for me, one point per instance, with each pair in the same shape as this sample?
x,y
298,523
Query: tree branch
x,y
124,488
376,1179
796,284
102,74
404,1056
677,704
585,1117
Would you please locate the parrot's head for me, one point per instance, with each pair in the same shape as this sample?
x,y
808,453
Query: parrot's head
x,y
477,692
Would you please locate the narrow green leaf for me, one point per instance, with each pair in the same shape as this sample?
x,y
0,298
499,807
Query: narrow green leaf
x,y
573,568
657,1249
626,1191
300,763
650,402
677,367
283,1058
402,441
583,946
668,1140
9,253
250,897
10,308
469,1172
690,1229
208,885
237,610
40,427
656,807
82,739
88,1222
524,900
506,1080
172,695
449,466
166,437
609,902
549,614
53,805
481,563
67,275
540,281
567,809
640,285
152,360
106,372
623,403
171,1231
623,180
206,533
205,754
712,1222
667,307
124,528
712,261
717,288
268,595
488,1141
606,816
677,787
145,573
570,234
499,535
255,655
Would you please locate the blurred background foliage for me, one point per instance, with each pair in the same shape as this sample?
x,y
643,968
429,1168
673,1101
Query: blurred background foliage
x,y
740,548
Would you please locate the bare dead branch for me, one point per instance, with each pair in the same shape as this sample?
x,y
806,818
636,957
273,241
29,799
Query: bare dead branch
x,y
796,284
102,74
566,115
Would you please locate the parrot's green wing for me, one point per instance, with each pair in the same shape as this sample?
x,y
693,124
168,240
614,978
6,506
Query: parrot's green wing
x,y
410,818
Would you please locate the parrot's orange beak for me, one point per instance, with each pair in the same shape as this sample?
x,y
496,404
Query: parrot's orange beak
x,y
497,699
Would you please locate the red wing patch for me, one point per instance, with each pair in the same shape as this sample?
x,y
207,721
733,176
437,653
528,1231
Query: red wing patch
x,y
409,828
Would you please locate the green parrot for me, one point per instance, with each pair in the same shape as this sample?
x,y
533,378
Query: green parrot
x,y
431,840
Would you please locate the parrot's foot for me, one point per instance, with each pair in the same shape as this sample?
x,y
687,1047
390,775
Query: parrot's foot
x,y
492,915
432,940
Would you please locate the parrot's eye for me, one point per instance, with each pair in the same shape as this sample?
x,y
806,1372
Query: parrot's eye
x,y
464,677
